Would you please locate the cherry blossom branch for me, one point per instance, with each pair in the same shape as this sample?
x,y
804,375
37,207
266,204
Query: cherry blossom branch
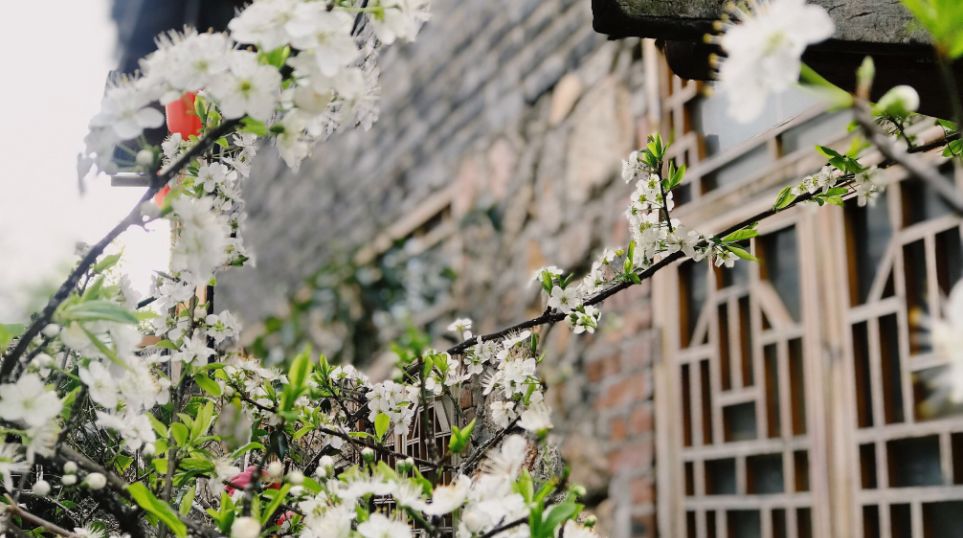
x,y
510,525
898,155
341,435
158,180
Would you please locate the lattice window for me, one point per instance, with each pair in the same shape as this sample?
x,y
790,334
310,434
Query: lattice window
x,y
738,360
721,154
904,256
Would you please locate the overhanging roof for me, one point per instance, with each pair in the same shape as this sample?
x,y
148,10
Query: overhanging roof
x,y
880,28
860,21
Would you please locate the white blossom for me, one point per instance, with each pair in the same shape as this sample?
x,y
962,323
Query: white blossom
x,y
248,88
379,526
11,463
402,19
763,48
127,111
29,401
200,245
101,386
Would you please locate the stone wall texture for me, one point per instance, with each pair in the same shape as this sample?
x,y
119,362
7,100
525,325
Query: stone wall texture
x,y
518,108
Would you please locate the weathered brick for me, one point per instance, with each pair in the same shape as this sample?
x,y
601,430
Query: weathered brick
x,y
633,456
640,419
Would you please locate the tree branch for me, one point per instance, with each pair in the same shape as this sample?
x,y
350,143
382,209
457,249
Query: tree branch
x,y
898,155
158,180
17,510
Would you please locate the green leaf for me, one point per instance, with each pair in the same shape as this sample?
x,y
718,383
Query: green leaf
x,y
741,252
196,464
525,486
8,332
253,126
741,235
784,199
159,428
106,263
122,462
68,403
279,496
98,310
276,57
179,432
253,445
381,423
837,97
202,423
299,370
558,515
187,501
943,19
146,500
460,437
207,384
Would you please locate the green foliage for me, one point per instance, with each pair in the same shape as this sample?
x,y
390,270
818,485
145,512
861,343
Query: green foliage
x,y
346,298
8,332
836,96
846,164
943,19
158,508
460,437
253,126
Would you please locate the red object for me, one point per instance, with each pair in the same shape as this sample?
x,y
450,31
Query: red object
x,y
241,480
181,117
161,194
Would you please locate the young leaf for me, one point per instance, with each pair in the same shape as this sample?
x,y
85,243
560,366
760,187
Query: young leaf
x,y
381,423
253,126
741,235
741,252
146,500
784,198
207,384
98,310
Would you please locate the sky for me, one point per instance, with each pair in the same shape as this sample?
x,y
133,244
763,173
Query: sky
x,y
54,72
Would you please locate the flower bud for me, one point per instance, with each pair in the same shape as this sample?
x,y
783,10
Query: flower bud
x,y
51,330
590,521
404,466
899,101
325,466
296,477
245,527
41,488
42,360
70,467
578,491
368,455
275,470
145,158
68,479
95,481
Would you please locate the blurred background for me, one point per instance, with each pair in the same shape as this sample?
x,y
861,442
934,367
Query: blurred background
x,y
786,398
56,68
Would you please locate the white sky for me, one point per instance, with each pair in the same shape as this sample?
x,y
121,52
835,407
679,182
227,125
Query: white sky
x,y
56,59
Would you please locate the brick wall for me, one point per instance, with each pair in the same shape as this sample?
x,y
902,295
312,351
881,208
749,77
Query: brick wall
x,y
519,108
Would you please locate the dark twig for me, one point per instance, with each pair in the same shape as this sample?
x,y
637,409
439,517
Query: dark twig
x,y
918,169
158,180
